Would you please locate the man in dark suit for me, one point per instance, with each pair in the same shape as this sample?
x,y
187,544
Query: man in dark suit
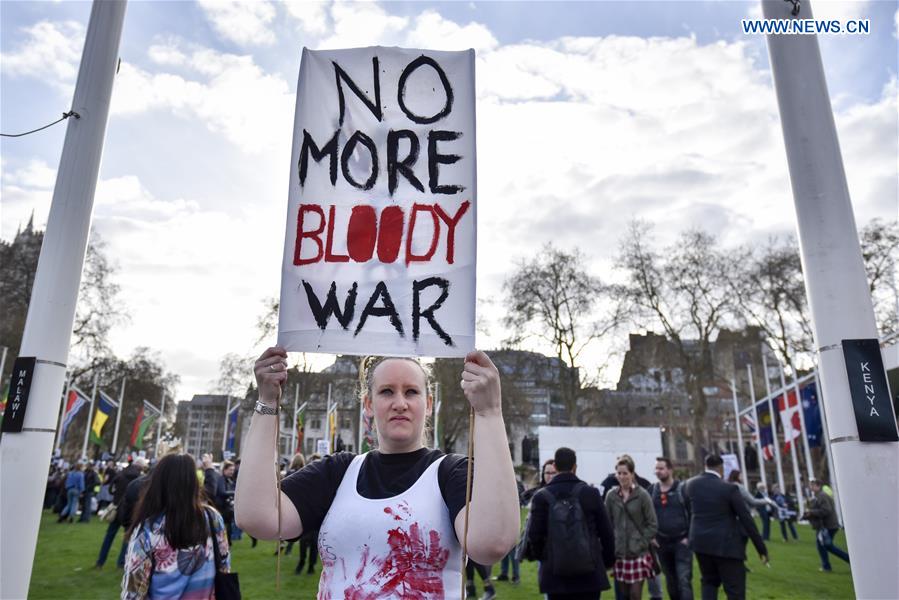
x,y
718,530
581,586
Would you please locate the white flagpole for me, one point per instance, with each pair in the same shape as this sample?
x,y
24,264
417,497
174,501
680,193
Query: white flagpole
x,y
758,430
227,421
159,424
3,360
296,400
733,389
25,456
807,452
328,419
118,418
90,417
361,425
800,495
825,440
436,413
839,298
774,416
62,413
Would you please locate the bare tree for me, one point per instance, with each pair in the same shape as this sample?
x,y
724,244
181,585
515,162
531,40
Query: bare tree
x,y
683,289
267,323
235,375
554,299
880,251
770,293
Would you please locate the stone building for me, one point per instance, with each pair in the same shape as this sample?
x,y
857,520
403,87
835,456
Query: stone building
x,y
200,423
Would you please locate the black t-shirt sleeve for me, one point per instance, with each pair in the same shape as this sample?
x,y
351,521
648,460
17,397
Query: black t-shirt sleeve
x,y
452,475
312,488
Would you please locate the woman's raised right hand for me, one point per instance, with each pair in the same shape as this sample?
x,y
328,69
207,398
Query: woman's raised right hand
x,y
271,372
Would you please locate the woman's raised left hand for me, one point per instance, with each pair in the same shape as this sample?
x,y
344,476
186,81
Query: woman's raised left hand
x,y
480,383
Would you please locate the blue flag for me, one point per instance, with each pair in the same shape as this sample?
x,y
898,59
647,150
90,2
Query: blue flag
x,y
812,412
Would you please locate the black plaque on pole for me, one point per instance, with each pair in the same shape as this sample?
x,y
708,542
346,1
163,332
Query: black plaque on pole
x,y
19,386
870,393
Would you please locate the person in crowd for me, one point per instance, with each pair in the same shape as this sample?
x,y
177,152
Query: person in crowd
x,y
547,472
611,479
55,480
74,489
229,483
634,520
554,579
736,477
170,552
91,481
213,484
719,519
368,506
761,493
122,514
105,498
471,567
822,515
672,539
785,516
511,558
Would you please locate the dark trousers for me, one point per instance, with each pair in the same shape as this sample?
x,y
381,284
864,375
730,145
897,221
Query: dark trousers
x,y
766,524
717,572
483,571
824,542
87,502
677,565
108,539
308,546
504,565
784,523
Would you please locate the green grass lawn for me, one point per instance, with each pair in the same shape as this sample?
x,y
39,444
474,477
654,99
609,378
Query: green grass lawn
x,y
64,568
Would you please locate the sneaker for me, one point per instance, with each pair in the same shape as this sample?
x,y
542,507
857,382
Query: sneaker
x,y
489,594
501,577
516,580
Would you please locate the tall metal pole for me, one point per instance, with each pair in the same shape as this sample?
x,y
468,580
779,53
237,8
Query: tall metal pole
x,y
774,415
296,400
118,418
839,299
3,360
831,476
328,419
90,416
758,430
227,419
733,389
62,413
800,495
159,423
25,456
803,432
436,414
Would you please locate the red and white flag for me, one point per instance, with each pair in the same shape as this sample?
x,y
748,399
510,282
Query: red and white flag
x,y
789,418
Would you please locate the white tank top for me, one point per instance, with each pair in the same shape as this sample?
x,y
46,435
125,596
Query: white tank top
x,y
400,547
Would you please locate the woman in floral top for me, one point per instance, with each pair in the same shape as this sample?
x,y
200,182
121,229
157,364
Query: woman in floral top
x,y
170,554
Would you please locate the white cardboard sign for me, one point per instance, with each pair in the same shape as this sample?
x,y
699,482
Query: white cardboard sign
x,y
380,245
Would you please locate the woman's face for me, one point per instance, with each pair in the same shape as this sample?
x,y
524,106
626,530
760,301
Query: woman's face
x,y
549,471
399,401
625,477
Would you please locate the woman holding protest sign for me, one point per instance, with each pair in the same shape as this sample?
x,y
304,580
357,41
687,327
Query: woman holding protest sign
x,y
393,520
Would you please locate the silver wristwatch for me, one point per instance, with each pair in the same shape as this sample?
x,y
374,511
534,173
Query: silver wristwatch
x,y
264,409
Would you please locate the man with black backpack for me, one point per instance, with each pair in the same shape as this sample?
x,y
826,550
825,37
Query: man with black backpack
x,y
570,532
672,539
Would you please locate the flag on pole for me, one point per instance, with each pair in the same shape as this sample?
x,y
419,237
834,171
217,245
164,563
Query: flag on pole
x,y
104,409
232,428
814,429
332,428
74,402
765,430
789,418
145,419
301,428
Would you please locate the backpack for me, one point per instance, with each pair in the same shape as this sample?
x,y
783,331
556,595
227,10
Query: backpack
x,y
677,490
571,548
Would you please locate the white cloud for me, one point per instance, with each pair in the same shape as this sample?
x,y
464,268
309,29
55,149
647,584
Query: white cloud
x,y
896,23
359,24
311,16
245,23
50,52
431,30
232,95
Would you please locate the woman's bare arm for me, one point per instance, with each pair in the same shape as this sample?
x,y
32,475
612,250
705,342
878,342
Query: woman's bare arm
x,y
494,519
256,494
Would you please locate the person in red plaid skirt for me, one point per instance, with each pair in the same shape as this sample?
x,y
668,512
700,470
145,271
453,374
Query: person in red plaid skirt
x,y
634,521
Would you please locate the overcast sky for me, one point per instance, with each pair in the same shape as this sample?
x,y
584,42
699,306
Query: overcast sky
x,y
589,115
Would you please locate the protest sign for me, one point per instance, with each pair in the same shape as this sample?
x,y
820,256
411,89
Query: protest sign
x,y
380,244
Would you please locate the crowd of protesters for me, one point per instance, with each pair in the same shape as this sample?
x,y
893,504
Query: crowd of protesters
x,y
638,531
